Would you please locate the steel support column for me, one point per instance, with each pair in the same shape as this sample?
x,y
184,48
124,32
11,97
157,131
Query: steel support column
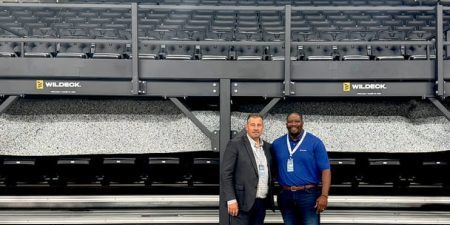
x,y
134,49
224,137
439,51
225,114
287,51
441,107
7,103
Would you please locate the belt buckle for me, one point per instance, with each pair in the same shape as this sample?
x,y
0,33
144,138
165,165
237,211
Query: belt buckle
x,y
293,188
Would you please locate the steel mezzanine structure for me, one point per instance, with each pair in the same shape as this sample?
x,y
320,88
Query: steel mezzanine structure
x,y
225,79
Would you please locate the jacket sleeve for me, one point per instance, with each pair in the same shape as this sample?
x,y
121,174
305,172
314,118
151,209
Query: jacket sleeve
x,y
227,171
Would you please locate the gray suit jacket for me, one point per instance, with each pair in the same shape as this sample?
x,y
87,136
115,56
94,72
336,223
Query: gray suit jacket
x,y
239,173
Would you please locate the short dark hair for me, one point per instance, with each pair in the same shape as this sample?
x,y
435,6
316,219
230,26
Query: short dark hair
x,y
254,115
294,113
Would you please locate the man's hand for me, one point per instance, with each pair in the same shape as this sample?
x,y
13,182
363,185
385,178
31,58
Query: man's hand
x,y
233,209
321,203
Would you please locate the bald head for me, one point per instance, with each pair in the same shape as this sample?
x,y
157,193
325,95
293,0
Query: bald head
x,y
294,113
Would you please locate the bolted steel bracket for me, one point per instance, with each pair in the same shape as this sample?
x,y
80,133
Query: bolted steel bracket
x,y
292,88
215,140
215,88
142,89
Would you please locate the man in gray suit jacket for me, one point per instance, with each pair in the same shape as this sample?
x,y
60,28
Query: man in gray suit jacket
x,y
245,175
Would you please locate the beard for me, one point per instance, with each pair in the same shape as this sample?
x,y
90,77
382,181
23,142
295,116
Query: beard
x,y
294,131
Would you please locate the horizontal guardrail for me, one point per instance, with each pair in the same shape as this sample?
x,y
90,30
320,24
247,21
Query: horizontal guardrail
x,y
211,217
211,201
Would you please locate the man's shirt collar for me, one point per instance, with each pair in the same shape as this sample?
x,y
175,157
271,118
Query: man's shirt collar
x,y
253,142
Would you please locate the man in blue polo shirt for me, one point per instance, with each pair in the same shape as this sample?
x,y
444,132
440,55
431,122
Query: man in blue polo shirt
x,y
303,172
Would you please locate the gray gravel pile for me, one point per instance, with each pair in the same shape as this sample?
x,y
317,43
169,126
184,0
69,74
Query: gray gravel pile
x,y
111,126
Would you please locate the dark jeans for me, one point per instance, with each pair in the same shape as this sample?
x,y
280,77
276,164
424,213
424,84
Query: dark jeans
x,y
255,216
297,207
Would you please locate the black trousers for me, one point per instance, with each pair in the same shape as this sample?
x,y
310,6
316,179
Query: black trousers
x,y
255,216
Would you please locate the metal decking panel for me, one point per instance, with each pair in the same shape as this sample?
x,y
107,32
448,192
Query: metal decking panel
x,y
406,70
212,70
182,89
64,87
335,89
64,68
364,89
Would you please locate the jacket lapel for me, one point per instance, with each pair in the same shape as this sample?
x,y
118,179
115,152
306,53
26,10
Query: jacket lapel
x,y
266,148
249,151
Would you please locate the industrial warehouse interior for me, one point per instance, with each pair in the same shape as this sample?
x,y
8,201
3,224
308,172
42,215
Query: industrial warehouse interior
x,y
118,112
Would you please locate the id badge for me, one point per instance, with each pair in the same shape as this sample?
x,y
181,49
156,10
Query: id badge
x,y
290,165
261,170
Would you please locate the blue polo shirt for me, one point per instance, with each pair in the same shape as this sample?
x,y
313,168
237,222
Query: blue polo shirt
x,y
310,160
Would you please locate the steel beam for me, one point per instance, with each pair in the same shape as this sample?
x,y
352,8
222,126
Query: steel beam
x,y
106,87
196,88
338,89
441,107
362,8
11,31
327,71
66,6
64,87
213,7
263,112
210,70
321,43
182,88
64,68
439,51
65,40
237,43
213,43
7,103
365,89
269,106
192,117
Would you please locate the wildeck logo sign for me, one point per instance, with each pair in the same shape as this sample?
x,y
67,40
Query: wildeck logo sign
x,y
41,84
58,87
346,87
364,88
